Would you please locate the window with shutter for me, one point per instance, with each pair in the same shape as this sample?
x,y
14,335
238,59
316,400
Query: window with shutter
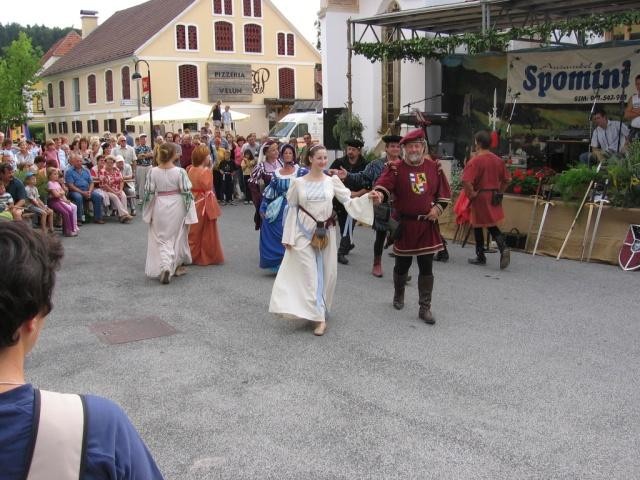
x,y
188,75
91,88
108,84
126,85
181,38
286,83
290,44
281,50
193,37
50,94
223,36
252,38
61,91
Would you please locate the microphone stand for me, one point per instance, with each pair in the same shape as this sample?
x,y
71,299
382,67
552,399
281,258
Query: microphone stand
x,y
408,105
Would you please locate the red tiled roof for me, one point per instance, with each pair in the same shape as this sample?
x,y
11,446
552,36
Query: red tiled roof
x,y
120,35
62,46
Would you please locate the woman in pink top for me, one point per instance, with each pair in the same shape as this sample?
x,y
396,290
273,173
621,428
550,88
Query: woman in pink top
x,y
59,203
111,183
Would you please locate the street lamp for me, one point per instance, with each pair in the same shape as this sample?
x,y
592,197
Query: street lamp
x,y
137,76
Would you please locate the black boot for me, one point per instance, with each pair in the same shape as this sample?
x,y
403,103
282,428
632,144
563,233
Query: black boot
x,y
399,282
343,249
479,259
505,253
425,288
442,256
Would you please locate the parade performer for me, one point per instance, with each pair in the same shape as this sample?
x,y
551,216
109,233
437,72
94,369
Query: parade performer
x,y
485,178
365,180
268,162
272,208
306,280
420,196
204,240
169,210
352,162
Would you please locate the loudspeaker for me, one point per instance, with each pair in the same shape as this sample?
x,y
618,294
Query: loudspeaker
x,y
329,118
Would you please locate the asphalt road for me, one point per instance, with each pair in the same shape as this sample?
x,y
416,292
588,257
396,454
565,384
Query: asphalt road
x,y
530,372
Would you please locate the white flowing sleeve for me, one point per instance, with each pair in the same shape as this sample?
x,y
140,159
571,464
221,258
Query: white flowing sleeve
x,y
360,208
149,197
290,228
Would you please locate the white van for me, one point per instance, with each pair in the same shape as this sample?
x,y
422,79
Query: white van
x,y
295,125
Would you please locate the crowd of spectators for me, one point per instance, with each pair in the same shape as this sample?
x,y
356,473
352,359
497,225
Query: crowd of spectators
x,y
95,178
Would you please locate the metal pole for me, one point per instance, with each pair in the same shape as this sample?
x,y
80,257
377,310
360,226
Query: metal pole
x,y
152,133
349,57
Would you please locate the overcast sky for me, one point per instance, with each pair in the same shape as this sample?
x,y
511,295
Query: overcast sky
x,y
66,13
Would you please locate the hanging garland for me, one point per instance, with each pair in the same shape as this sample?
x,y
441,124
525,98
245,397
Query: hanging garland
x,y
417,49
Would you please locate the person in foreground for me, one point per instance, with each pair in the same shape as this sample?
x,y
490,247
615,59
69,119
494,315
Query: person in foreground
x,y
421,195
169,210
43,434
306,280
485,178
204,240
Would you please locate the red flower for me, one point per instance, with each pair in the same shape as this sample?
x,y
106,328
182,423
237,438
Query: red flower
x,y
529,172
517,189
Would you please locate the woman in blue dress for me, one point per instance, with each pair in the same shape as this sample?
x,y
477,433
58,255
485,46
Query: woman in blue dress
x,y
273,207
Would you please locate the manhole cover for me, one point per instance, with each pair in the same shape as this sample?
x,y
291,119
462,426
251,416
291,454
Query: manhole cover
x,y
132,330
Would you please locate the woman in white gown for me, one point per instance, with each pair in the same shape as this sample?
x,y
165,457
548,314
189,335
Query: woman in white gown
x,y
306,281
169,210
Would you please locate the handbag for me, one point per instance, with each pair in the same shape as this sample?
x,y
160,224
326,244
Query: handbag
x,y
496,198
515,239
319,237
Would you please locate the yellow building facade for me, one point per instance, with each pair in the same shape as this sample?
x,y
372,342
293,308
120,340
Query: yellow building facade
x,y
244,53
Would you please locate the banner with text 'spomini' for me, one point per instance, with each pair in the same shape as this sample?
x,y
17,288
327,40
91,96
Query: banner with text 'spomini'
x,y
573,76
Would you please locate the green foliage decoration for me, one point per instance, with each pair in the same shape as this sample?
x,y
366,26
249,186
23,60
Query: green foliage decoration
x,y
348,126
417,49
572,184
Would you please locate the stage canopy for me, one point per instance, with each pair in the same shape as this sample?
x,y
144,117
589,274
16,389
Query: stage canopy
x,y
185,111
478,15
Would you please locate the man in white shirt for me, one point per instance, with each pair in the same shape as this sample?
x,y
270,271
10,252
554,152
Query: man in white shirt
x,y
608,138
632,112
125,150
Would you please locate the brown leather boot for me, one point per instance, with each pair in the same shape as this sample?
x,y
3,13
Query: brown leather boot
x,y
399,282
377,267
425,288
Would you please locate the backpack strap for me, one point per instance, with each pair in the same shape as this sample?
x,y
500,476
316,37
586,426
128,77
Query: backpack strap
x,y
60,436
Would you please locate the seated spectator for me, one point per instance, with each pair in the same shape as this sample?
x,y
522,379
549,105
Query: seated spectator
x,y
15,188
129,183
59,203
7,208
36,206
111,183
80,185
96,173
40,168
107,445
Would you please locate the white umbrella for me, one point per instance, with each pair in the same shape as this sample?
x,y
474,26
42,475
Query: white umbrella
x,y
185,111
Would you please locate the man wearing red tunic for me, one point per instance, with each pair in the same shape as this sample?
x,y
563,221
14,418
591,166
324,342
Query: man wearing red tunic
x,y
420,196
484,179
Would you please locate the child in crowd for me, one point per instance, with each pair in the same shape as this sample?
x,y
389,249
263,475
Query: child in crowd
x,y
35,204
59,203
247,164
6,204
227,167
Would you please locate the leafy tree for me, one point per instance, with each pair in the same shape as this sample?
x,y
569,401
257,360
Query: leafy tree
x,y
18,67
